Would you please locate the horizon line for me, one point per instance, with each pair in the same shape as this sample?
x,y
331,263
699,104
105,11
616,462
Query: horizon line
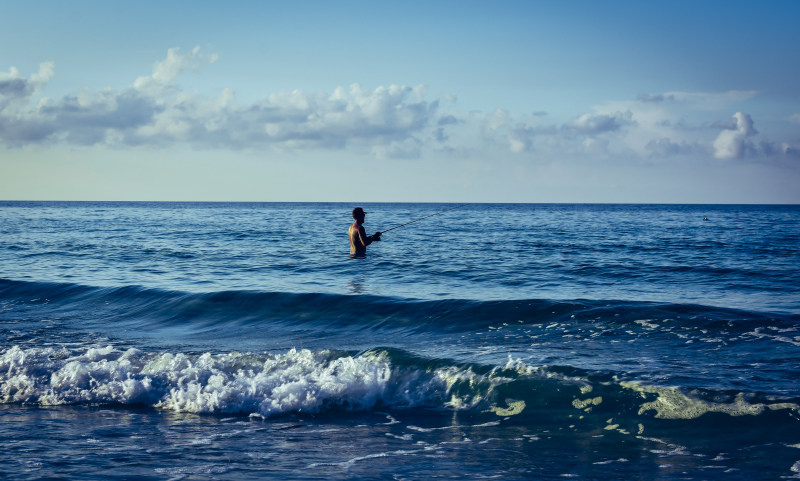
x,y
391,202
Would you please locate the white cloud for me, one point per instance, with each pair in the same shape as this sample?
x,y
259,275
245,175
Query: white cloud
x,y
388,121
296,119
592,124
732,142
520,139
16,89
656,127
172,66
687,124
494,121
154,111
575,137
46,72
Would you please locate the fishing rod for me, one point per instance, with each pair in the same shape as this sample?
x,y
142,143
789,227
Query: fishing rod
x,y
422,218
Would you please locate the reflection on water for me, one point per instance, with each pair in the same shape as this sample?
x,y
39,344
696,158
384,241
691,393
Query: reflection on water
x,y
356,286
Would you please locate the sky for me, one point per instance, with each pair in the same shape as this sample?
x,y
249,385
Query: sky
x,y
413,101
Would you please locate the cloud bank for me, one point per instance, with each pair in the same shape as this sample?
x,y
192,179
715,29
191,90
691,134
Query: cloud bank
x,y
653,127
387,122
154,111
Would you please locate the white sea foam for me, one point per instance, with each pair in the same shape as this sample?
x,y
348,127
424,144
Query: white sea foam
x,y
672,403
258,384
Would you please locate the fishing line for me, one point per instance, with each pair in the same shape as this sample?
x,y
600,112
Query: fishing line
x,y
422,218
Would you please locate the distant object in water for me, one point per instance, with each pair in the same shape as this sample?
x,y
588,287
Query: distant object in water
x,y
705,218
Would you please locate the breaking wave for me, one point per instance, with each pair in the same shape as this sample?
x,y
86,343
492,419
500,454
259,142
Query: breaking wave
x,y
304,381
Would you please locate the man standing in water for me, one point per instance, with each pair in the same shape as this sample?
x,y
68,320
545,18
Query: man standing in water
x,y
359,240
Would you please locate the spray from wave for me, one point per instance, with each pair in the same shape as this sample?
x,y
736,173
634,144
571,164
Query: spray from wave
x,y
303,381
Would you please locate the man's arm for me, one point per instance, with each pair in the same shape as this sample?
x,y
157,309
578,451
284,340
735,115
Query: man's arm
x,y
362,234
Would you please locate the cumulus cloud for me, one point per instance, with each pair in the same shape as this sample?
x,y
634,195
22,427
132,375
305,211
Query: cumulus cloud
x,y
520,139
164,71
732,142
382,117
652,127
655,127
154,111
14,88
494,122
593,124
577,136
673,124
394,121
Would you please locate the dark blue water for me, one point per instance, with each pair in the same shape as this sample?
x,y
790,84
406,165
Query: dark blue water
x,y
241,341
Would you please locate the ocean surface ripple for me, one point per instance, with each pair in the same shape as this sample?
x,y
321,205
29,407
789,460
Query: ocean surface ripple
x,y
241,341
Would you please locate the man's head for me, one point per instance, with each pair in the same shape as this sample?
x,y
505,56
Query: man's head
x,y
358,214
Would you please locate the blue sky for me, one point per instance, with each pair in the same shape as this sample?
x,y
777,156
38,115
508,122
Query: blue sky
x,y
406,101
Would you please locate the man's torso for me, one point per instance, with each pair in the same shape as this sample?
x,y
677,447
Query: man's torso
x,y
356,246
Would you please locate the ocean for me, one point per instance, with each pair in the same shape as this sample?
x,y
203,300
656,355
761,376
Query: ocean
x,y
241,341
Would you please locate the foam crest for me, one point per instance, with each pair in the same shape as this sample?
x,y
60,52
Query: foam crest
x,y
296,381
672,403
265,384
256,384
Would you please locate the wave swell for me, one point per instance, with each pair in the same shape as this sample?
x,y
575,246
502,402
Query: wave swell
x,y
153,307
304,381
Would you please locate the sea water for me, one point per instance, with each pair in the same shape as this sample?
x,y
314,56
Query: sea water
x,y
241,341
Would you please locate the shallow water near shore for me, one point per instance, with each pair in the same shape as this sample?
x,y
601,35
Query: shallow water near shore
x,y
240,341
